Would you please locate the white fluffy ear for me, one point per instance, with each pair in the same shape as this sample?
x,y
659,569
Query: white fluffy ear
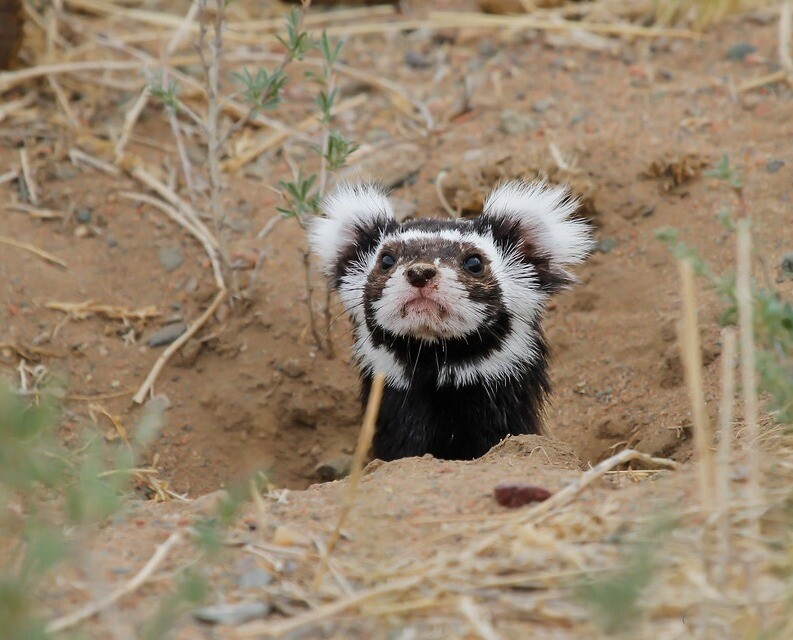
x,y
356,216
543,215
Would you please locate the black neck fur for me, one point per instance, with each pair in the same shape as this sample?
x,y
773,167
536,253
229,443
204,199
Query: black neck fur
x,y
457,423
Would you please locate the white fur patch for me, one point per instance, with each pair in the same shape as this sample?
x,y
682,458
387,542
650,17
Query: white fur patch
x,y
378,359
348,207
544,212
461,316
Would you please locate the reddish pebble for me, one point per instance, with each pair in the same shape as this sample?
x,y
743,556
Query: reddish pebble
x,y
638,71
517,494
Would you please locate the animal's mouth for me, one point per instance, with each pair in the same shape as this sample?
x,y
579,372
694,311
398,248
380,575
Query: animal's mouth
x,y
425,307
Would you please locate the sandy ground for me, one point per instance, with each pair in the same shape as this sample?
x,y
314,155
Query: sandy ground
x,y
253,392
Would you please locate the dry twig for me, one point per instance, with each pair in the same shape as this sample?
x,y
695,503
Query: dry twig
x,y
172,348
33,249
91,609
361,451
692,361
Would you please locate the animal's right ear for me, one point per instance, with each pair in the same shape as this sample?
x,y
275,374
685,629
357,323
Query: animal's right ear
x,y
356,217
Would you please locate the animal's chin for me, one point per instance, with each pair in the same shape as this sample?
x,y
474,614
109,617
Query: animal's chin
x,y
424,318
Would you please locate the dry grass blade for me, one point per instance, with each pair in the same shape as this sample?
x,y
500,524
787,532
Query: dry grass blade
x,y
179,219
172,348
785,43
692,361
281,627
27,175
725,448
83,310
743,291
91,609
441,19
39,213
477,619
275,139
257,27
568,493
133,114
9,176
77,156
33,249
10,79
361,451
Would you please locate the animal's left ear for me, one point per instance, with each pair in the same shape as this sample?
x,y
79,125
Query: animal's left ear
x,y
534,219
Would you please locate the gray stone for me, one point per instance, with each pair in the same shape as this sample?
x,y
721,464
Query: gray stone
x,y
294,368
166,335
739,51
787,264
232,614
774,165
606,245
513,123
541,106
83,215
416,60
254,578
335,469
171,258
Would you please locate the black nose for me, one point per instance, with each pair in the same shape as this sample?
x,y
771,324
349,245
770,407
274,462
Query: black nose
x,y
420,274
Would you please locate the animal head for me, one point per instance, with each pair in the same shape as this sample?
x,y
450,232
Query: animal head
x,y
469,291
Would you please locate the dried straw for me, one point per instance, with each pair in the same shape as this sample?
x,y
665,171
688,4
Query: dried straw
x,y
26,246
725,449
361,451
692,361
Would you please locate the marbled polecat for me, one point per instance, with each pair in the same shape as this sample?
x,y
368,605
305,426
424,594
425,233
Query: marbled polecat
x,y
451,311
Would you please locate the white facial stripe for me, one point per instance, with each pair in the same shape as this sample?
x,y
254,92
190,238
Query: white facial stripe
x,y
353,283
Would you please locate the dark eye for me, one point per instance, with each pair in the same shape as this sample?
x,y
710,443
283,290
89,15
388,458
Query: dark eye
x,y
387,261
474,264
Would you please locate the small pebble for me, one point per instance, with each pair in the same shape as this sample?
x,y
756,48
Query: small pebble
x,y
739,51
487,49
513,123
111,240
416,60
517,494
83,215
294,368
232,614
166,335
606,245
787,264
254,578
335,469
774,165
541,106
171,258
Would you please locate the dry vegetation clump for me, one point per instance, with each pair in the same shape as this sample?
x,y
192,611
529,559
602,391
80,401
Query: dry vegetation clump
x,y
465,186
